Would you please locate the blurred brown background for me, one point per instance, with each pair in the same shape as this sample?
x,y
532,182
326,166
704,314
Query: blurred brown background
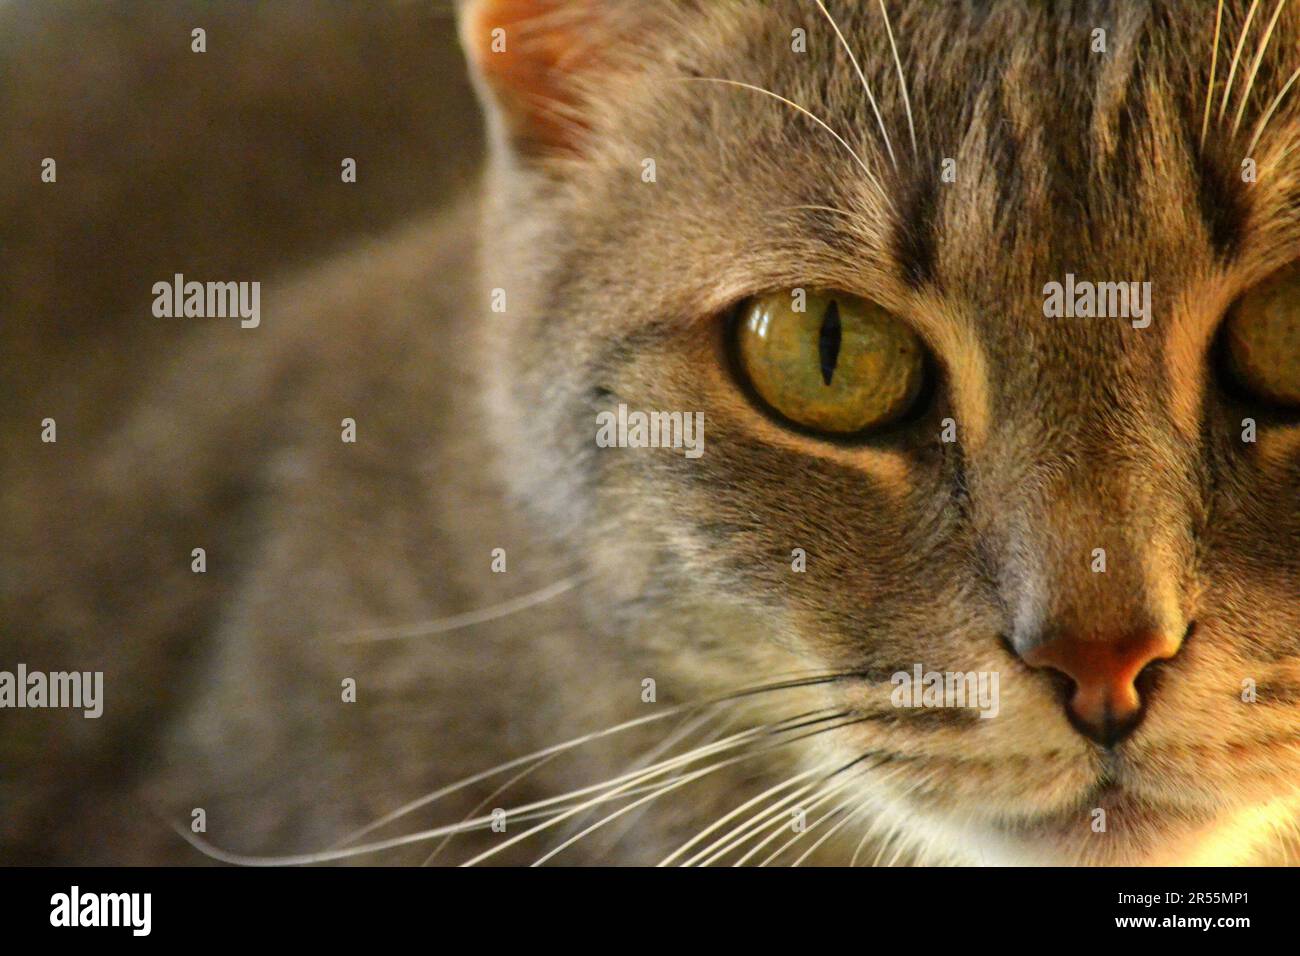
x,y
219,165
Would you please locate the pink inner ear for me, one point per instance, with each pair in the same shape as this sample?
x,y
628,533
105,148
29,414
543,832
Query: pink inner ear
x,y
545,43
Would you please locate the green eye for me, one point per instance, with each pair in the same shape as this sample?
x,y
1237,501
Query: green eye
x,y
839,365
1262,340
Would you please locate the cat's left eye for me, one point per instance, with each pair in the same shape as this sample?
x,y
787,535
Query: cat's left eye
x,y
1261,341
829,361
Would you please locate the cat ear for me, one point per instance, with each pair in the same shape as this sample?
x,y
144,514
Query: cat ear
x,y
532,60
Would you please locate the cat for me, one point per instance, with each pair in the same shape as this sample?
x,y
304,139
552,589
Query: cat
x,y
437,621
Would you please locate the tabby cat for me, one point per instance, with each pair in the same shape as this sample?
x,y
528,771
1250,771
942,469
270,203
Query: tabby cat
x,y
992,314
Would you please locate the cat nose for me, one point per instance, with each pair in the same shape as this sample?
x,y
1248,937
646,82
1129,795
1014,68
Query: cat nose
x,y
1105,705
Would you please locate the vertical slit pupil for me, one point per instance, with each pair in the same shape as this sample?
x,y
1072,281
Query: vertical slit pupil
x,y
828,344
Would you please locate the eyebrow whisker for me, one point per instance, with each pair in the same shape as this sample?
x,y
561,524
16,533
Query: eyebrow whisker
x,y
871,177
902,82
1244,98
861,76
1268,115
1214,63
1236,56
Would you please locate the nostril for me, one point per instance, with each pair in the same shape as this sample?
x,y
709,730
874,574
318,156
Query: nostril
x,y
1148,679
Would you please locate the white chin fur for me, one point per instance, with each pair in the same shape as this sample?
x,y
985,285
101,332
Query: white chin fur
x,y
1240,838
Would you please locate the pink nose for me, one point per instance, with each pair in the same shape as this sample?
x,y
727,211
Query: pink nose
x,y
1105,705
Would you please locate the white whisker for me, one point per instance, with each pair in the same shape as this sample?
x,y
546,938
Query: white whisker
x,y
861,76
1268,115
477,823
677,782
323,856
815,208
821,796
340,852
865,808
795,106
856,797
743,737
629,822
737,811
471,618
1254,66
866,835
1286,152
890,840
438,794
838,808
848,818
1236,56
902,848
1214,63
731,697
749,829
478,807
902,82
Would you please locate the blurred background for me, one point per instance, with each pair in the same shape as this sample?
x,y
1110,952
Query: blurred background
x,y
224,164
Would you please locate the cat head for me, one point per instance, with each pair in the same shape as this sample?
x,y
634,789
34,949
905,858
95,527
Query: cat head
x,y
993,318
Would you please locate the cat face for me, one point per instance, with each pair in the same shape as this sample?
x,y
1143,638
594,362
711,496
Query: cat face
x,y
1091,509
